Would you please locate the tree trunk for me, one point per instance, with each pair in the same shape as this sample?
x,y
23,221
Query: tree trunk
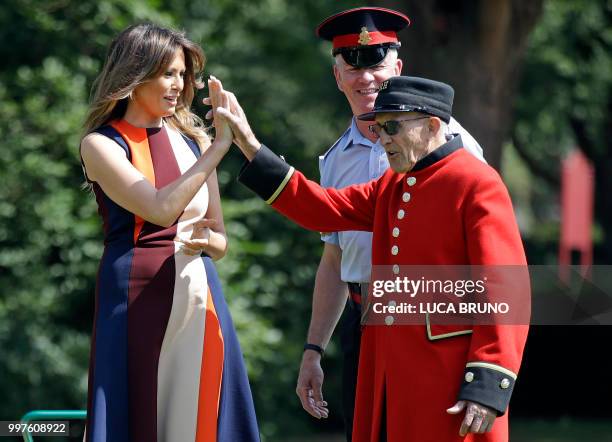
x,y
477,47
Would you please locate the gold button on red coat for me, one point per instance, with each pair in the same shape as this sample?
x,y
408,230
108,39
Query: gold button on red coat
x,y
395,232
400,214
411,181
406,197
396,269
394,250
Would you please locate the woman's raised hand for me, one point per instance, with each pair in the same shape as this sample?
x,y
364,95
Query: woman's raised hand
x,y
219,99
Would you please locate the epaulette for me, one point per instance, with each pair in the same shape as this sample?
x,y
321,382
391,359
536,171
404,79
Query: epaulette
x,y
336,143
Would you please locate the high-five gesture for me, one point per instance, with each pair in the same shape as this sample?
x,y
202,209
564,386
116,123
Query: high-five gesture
x,y
234,116
219,99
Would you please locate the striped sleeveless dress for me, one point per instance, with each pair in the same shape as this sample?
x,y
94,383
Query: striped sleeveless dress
x,y
165,362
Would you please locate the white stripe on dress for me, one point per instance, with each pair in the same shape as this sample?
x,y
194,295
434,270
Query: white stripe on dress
x,y
181,354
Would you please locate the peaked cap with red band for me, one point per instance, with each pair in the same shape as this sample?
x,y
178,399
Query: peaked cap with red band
x,y
365,26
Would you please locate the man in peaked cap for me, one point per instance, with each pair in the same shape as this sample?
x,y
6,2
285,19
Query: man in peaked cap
x,y
437,205
364,47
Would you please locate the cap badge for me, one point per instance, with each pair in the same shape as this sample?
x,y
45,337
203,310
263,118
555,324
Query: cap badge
x,y
364,36
384,85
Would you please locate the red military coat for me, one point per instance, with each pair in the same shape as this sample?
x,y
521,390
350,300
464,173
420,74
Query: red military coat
x,y
450,209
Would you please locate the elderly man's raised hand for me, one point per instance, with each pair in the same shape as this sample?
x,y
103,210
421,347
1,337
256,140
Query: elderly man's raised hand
x,y
220,100
235,117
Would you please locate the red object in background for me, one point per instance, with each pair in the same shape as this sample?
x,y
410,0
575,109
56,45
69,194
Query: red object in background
x,y
577,188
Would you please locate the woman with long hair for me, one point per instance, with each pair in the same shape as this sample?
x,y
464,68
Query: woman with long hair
x,y
165,361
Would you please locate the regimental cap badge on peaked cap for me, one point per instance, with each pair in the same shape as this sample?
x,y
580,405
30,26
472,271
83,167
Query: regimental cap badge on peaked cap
x,y
346,28
364,36
413,94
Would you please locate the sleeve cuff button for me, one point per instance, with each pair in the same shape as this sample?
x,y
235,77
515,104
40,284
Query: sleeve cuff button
x,y
469,376
505,383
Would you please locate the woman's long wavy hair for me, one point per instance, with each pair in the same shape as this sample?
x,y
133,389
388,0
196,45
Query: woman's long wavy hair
x,y
138,54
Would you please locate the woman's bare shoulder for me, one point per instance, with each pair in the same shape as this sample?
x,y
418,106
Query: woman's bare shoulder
x,y
97,142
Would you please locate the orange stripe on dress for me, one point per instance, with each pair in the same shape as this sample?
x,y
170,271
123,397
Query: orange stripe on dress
x,y
211,374
136,138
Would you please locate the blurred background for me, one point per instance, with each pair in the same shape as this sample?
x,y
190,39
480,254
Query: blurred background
x,y
532,81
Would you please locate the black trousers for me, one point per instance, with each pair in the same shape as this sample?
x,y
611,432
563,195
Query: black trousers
x,y
350,340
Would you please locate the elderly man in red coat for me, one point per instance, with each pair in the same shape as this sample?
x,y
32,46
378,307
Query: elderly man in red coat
x,y
436,205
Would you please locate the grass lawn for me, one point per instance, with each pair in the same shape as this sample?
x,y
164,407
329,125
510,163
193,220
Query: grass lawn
x,y
525,430
563,430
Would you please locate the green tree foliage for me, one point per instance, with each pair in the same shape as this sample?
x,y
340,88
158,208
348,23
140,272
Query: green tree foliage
x,y
564,102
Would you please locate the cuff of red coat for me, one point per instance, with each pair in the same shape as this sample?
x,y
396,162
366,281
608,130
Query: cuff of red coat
x,y
488,384
266,174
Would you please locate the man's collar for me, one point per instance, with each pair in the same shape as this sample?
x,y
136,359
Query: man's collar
x,y
441,152
356,137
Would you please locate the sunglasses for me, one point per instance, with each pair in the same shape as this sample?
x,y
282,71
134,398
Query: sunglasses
x,y
366,56
391,127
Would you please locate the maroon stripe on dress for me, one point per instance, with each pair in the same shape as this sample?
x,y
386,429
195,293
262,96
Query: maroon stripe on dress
x,y
150,300
164,163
